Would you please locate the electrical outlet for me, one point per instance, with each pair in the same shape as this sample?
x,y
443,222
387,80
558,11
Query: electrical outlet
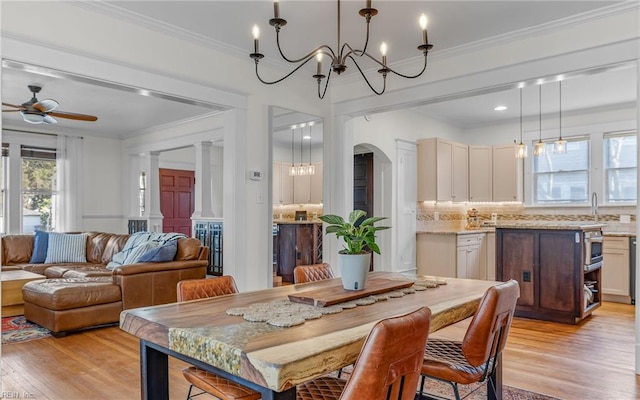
x,y
526,276
625,219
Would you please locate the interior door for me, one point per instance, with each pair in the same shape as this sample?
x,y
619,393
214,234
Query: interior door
x,y
177,200
363,186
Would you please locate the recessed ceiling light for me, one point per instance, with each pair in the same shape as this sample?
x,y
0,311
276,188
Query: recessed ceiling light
x,y
500,108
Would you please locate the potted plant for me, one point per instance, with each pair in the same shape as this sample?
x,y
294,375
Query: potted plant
x,y
358,234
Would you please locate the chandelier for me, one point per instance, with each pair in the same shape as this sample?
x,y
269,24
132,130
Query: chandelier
x,y
340,55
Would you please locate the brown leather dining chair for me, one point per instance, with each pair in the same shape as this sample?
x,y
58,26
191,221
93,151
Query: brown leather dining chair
x,y
474,358
312,273
208,382
388,366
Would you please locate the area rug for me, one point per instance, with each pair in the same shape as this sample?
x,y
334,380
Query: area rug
x,y
18,329
443,390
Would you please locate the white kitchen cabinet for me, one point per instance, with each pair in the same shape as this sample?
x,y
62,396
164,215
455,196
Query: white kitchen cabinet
x,y
471,256
452,255
282,183
443,170
615,269
302,189
436,254
480,173
316,185
490,240
506,174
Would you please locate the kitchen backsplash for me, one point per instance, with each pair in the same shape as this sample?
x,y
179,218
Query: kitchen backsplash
x,y
451,214
288,211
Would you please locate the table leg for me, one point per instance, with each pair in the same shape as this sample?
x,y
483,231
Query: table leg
x,y
495,381
154,373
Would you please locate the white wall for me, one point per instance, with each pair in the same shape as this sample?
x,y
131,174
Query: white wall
x,y
102,195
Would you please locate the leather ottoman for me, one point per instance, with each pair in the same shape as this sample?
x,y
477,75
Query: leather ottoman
x,y
62,305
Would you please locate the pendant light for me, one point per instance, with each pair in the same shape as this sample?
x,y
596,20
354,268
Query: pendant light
x,y
293,171
539,149
560,145
302,170
521,149
311,169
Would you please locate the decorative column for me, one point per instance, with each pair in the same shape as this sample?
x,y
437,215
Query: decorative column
x,y
154,214
203,199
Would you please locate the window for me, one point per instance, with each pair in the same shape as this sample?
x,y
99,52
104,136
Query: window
x,y
38,188
562,178
620,165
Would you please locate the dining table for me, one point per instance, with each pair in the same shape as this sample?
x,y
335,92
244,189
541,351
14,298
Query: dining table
x,y
272,359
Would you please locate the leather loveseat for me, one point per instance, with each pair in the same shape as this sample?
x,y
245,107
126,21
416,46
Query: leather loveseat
x,y
82,295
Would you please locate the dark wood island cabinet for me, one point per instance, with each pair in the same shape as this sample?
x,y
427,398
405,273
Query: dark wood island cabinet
x,y
558,281
299,243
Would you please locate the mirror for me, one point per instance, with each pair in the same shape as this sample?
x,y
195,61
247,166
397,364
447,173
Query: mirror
x,y
297,183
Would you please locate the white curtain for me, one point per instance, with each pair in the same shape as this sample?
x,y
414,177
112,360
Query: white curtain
x,y
68,207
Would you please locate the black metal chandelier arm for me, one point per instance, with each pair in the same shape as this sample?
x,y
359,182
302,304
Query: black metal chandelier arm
x,y
384,79
412,76
326,85
284,77
357,52
310,54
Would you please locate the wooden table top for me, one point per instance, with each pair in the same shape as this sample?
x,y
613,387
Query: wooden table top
x,y
18,275
280,358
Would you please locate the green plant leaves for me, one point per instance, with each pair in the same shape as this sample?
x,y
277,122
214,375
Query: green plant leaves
x,y
358,239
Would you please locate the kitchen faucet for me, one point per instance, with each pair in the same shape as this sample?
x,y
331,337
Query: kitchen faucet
x,y
594,206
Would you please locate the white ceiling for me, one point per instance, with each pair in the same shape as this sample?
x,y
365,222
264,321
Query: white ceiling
x,y
227,24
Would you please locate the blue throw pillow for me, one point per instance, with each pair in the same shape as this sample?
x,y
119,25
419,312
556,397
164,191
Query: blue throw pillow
x,y
40,245
164,253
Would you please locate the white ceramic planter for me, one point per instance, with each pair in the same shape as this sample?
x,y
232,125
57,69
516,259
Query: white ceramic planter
x,y
353,270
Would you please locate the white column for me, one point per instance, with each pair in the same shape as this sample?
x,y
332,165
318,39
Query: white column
x,y
235,241
203,200
13,197
153,193
637,220
136,167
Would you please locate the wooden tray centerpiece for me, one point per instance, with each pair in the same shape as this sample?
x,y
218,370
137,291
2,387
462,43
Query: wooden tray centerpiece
x,y
337,294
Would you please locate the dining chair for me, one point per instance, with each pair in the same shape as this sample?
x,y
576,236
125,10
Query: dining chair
x,y
474,358
208,382
387,368
312,273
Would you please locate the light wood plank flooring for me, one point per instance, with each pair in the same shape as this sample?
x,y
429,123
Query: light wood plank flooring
x,y
593,360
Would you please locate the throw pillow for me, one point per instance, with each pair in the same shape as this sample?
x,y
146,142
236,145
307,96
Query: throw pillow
x,y
40,245
164,253
64,247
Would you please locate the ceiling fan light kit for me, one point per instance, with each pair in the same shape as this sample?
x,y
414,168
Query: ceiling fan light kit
x,y
340,55
35,111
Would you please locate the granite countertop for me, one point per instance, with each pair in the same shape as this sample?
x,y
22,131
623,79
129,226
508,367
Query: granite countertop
x,y
294,222
554,225
456,231
619,234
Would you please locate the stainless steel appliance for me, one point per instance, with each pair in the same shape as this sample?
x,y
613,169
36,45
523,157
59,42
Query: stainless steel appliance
x,y
592,249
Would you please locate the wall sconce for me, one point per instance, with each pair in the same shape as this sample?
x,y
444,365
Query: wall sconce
x,y
143,188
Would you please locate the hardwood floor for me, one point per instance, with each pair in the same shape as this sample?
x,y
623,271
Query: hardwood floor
x,y
593,360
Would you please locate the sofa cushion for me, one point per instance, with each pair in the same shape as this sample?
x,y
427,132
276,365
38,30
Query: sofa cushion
x,y
40,245
101,246
64,247
65,294
164,253
16,249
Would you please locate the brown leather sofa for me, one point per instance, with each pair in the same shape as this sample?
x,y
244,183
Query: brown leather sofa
x,y
81,295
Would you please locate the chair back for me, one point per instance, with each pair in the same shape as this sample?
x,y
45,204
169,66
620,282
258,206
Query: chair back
x,y
192,289
488,331
312,273
389,363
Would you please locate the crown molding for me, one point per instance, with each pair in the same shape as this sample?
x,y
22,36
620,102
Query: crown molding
x,y
169,125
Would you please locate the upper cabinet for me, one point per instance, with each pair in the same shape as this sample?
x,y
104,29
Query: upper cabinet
x,y
450,171
443,168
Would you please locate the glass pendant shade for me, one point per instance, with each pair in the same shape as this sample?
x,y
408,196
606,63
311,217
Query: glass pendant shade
x,y
539,149
560,146
521,150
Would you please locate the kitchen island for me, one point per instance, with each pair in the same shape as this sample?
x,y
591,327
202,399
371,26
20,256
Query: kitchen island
x,y
558,270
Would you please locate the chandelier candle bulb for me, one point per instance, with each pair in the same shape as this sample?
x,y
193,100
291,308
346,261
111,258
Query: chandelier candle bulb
x,y
256,35
423,25
319,59
383,50
276,9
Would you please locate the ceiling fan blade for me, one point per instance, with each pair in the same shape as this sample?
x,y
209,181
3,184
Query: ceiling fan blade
x,y
48,119
11,110
68,115
46,105
12,105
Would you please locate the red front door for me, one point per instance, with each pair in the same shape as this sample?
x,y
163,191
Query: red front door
x,y
176,200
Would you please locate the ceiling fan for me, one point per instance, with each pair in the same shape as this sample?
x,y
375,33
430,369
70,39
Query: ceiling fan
x,y
35,111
